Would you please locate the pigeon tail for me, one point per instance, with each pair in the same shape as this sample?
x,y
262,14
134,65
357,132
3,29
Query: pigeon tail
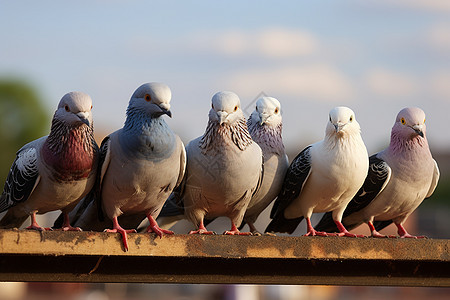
x,y
379,225
12,219
327,224
282,225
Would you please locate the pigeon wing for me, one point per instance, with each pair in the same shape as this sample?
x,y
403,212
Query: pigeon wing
x,y
23,177
295,178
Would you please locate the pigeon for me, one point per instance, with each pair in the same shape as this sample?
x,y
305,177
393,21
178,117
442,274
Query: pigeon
x,y
139,166
399,178
224,168
56,171
265,126
323,177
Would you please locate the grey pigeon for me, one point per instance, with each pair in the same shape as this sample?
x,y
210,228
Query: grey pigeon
x,y
265,126
55,171
399,179
323,177
139,166
224,167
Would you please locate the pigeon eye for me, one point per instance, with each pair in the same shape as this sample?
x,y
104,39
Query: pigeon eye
x,y
276,110
91,107
236,108
330,120
424,121
67,108
148,98
403,121
351,118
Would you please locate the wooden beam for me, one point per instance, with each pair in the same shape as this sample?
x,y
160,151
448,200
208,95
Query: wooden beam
x,y
99,257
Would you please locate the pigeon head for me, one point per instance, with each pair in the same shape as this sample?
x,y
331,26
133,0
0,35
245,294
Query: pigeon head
x,y
342,122
74,109
410,123
267,112
226,124
152,99
225,108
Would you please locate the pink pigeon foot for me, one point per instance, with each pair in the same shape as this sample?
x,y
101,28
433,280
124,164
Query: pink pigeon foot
x,y
123,232
312,231
235,231
66,225
343,231
35,226
404,234
375,233
153,227
201,230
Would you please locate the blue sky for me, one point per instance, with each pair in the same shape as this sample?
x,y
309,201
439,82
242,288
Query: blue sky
x,y
373,56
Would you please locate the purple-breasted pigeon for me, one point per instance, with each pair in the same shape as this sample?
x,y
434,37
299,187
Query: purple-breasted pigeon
x,y
55,171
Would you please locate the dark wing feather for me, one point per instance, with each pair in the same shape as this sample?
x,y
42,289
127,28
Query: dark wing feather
x,y
172,207
296,176
381,224
22,179
378,176
96,193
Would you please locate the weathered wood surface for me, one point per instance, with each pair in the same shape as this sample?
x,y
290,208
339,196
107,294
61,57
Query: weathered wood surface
x,y
99,257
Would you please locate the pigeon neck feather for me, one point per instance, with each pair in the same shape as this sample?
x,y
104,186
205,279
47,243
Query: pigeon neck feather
x,y
267,137
217,136
401,146
149,137
70,150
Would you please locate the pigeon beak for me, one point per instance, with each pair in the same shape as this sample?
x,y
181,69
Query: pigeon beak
x,y
162,112
167,112
263,118
339,126
165,109
222,117
418,129
83,116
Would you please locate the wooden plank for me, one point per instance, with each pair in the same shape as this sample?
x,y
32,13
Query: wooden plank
x,y
99,257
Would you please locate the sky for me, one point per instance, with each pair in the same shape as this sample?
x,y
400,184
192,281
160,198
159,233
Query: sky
x,y
375,57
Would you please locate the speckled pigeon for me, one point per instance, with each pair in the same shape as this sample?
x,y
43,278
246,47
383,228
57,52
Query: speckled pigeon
x,y
224,167
139,166
265,126
323,177
55,171
399,179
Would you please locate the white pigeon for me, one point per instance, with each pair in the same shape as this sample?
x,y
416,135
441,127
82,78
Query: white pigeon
x,y
139,166
56,171
224,167
399,179
323,177
265,126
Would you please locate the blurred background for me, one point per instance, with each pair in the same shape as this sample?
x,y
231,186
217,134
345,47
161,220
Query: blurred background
x,y
373,56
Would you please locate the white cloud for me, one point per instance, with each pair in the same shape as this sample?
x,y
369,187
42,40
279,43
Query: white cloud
x,y
437,6
389,83
439,37
316,81
266,43
439,85
279,42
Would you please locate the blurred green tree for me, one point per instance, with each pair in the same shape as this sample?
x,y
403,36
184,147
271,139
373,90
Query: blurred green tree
x,y
22,119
